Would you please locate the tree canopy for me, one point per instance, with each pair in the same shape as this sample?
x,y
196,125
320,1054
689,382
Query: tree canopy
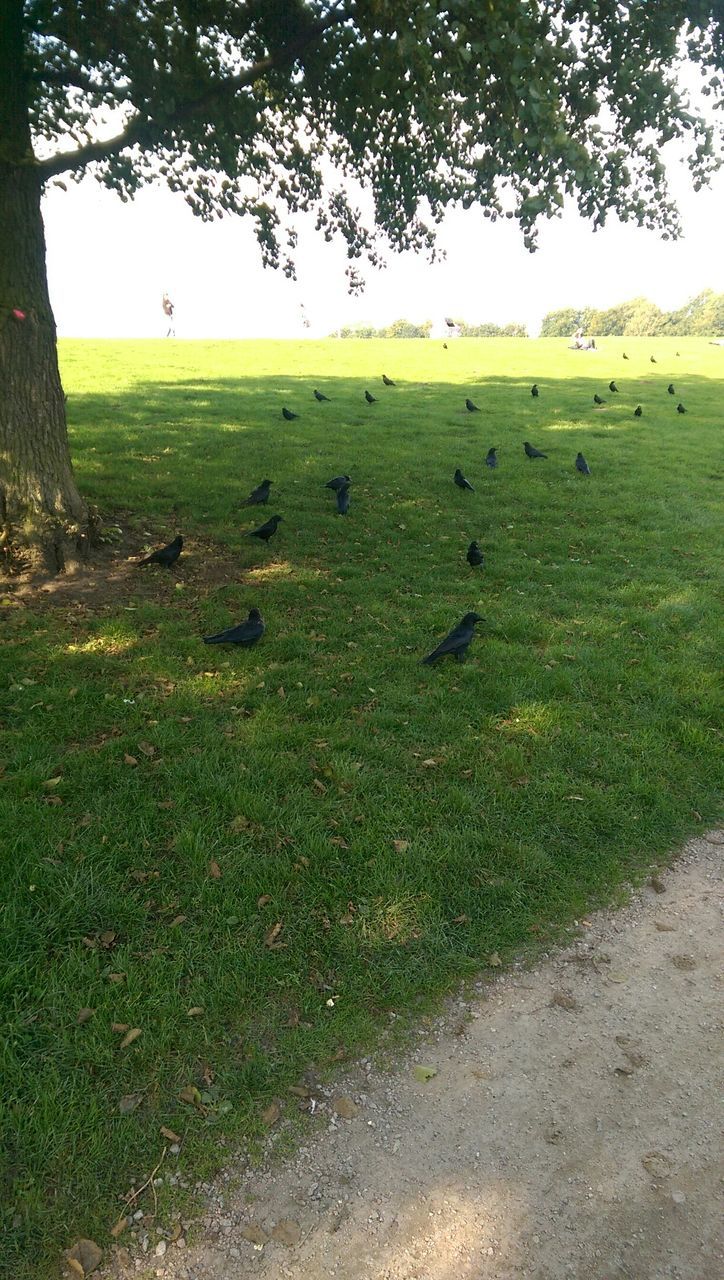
x,y
268,107
702,316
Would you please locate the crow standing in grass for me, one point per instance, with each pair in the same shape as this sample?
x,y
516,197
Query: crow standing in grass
x,y
318,396
387,381
288,416
613,388
458,640
598,400
474,555
165,556
461,482
491,459
337,483
530,452
246,633
653,359
534,391
259,496
625,356
582,465
680,408
343,500
370,398
670,389
638,411
265,530
471,408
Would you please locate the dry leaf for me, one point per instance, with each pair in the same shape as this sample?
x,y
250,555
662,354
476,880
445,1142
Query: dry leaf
x,y
196,1011
687,963
119,1228
495,960
116,977
463,919
339,841
191,1095
147,748
118,1027
176,920
430,764
657,1164
663,927
129,759
299,1090
84,1257
52,799
169,1133
400,846
214,869
347,919
83,1015
657,884
128,1039
345,1108
564,1000
129,1102
319,786
166,804
271,1114
107,938
239,823
270,938
264,900
53,782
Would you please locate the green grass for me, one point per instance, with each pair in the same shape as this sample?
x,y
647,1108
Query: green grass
x,y
576,745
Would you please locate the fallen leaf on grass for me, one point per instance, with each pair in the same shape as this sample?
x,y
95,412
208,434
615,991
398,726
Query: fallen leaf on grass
x,y
430,764
423,1074
118,1027
169,1133
52,799
147,748
119,1228
176,921
263,900
270,938
495,960
345,1108
128,1039
346,919
84,1015
271,1114
129,759
214,869
400,846
129,1102
190,1095
84,1257
195,1011
116,977
463,919
240,823
53,782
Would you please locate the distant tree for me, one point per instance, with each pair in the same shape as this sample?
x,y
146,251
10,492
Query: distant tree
x,y
562,323
407,329
507,105
645,319
514,331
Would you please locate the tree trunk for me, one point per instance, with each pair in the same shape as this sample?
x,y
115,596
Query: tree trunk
x,y
44,522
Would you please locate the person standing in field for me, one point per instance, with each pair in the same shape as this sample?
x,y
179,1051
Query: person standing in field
x,y
168,309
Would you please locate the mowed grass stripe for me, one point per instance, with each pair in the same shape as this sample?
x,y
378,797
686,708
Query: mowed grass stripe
x,y
577,743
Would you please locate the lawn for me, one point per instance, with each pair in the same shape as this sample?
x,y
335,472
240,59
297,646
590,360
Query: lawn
x,y
256,856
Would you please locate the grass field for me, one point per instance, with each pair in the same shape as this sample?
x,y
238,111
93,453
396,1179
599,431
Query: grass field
x,y
299,839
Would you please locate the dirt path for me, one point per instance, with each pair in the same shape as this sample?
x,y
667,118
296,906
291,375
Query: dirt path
x,y
569,1132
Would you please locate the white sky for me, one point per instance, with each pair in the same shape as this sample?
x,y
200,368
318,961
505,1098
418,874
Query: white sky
x,y
110,262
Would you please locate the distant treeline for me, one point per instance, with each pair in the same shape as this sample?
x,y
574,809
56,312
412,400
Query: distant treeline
x,y
406,329
703,315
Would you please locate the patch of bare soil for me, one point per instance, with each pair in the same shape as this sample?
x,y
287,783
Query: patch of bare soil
x,y
559,1125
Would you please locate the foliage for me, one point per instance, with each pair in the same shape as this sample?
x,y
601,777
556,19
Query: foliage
x,y
408,329
509,106
562,323
488,330
703,314
291,783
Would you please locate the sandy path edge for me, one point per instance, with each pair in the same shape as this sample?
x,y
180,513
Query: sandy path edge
x,y
569,1134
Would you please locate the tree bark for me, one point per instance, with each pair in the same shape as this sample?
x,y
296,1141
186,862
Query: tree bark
x,y
44,522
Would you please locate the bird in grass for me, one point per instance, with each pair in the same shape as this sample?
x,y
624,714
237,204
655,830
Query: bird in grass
x,y
318,396
598,400
369,398
670,389
653,359
474,555
530,452
337,483
625,356
458,640
259,496
582,465
343,500
165,556
266,530
288,416
680,408
638,411
444,346
246,633
387,381
491,459
471,408
461,482
613,388
534,391
678,353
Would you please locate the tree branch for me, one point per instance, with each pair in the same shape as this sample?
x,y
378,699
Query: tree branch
x,y
145,130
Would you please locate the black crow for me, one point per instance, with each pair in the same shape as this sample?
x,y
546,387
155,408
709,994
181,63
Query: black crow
x,y
461,482
534,390
265,530
288,416
458,640
678,353
471,408
491,459
680,408
343,500
387,381
318,396
247,633
670,389
165,555
338,483
613,388
530,452
370,399
625,356
598,400
653,359
259,496
582,465
474,555
444,346
638,411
